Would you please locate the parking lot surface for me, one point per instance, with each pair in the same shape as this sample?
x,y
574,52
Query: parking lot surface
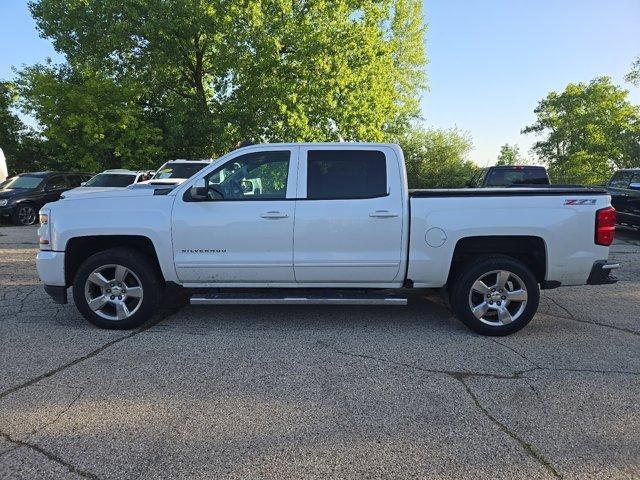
x,y
319,392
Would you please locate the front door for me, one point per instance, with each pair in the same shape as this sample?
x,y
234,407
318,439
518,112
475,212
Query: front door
x,y
349,220
243,232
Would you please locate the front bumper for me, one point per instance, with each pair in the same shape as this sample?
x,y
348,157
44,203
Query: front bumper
x,y
50,266
6,211
601,273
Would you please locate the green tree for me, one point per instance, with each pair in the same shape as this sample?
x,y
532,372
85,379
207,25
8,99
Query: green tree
x,y
589,130
11,127
509,155
24,149
437,158
90,121
633,77
212,72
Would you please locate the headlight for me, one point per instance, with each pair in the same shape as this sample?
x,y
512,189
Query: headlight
x,y
44,232
3,203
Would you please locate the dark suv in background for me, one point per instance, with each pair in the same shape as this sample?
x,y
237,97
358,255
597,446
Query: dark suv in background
x,y
624,188
25,194
510,176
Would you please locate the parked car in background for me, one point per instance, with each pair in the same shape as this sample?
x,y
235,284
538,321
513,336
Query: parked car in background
x,y
624,188
25,194
108,179
360,237
509,176
174,172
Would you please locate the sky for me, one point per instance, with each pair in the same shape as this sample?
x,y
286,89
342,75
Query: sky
x,y
490,61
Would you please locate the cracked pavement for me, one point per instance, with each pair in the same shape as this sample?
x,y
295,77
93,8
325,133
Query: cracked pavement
x,y
319,392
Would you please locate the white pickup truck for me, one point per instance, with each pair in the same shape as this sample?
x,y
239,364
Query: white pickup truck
x,y
322,224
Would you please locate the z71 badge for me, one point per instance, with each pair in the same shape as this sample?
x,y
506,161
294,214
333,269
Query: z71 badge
x,y
580,201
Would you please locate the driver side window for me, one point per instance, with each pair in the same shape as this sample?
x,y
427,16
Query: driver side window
x,y
254,176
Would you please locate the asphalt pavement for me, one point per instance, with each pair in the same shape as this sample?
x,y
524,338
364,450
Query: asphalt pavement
x,y
248,392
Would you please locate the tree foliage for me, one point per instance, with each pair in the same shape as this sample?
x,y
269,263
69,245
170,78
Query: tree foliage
x,y
633,77
11,126
23,149
437,158
589,129
89,120
509,155
203,74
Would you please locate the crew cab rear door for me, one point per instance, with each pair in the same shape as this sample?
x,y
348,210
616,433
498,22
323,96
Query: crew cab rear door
x,y
349,215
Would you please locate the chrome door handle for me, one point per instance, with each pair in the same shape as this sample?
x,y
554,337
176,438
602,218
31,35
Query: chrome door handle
x,y
274,215
383,214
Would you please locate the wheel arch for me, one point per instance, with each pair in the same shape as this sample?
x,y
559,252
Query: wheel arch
x,y
530,250
78,249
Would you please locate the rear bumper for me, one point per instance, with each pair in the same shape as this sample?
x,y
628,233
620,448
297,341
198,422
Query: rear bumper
x,y
59,294
601,273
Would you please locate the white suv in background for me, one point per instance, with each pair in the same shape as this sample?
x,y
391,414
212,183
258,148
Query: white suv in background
x,y
118,178
174,172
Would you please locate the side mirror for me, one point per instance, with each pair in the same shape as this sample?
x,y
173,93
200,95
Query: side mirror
x,y
199,190
82,184
634,186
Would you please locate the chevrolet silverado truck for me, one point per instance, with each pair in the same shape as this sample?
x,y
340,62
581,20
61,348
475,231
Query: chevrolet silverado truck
x,y
322,224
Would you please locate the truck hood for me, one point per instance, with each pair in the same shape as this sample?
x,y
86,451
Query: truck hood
x,y
163,181
86,190
114,192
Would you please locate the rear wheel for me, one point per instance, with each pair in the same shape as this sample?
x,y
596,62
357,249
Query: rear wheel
x,y
117,289
495,295
25,214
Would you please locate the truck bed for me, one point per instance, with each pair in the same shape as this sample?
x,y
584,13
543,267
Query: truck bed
x,y
508,191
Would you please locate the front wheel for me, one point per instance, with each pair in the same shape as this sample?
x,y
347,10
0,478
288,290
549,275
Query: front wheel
x,y
495,295
117,289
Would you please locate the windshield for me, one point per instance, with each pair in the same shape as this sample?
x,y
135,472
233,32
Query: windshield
x,y
178,170
506,178
24,181
111,180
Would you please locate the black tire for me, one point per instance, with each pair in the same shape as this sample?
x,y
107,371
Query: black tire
x,y
24,214
146,274
462,293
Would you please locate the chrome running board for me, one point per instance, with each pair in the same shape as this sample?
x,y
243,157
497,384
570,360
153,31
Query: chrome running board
x,y
231,299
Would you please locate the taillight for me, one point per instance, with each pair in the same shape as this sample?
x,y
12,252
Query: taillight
x,y
605,226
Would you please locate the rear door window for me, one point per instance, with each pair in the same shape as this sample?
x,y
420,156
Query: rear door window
x,y
336,174
57,183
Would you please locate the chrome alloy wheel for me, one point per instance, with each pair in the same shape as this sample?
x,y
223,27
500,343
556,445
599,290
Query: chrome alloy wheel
x,y
113,292
27,215
498,297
